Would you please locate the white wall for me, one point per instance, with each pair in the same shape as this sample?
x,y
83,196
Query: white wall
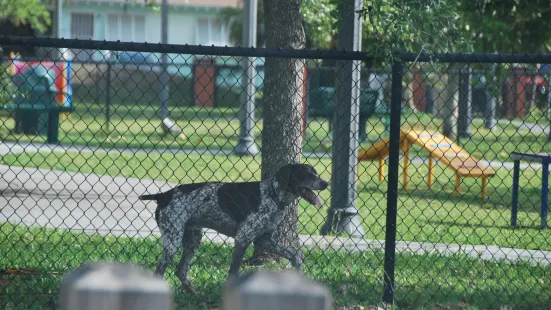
x,y
182,23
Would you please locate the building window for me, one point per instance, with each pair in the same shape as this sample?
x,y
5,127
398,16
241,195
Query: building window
x,y
209,32
82,27
125,28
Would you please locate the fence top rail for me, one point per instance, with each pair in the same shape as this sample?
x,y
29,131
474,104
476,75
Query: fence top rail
x,y
181,49
477,58
264,52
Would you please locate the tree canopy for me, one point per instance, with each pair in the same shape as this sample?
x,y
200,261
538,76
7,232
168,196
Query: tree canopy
x,y
31,12
483,26
507,26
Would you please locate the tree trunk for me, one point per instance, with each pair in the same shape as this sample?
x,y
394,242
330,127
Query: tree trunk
x,y
451,104
281,135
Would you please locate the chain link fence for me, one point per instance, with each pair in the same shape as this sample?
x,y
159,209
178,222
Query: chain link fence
x,y
440,217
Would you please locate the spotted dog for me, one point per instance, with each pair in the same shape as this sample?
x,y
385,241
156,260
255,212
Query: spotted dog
x,y
245,211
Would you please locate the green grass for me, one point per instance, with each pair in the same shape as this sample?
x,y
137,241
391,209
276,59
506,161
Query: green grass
x,y
536,116
353,278
424,215
137,126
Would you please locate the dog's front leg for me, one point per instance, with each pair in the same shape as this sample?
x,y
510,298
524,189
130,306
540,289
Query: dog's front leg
x,y
293,253
246,233
237,258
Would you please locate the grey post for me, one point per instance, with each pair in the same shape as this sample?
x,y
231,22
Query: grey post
x,y
108,99
429,101
465,102
346,121
246,144
268,290
114,286
57,24
490,100
164,92
490,107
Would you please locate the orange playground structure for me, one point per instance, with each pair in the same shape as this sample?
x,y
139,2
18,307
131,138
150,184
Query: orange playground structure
x,y
440,148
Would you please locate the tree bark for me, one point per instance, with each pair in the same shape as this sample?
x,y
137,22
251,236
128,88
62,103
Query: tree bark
x,y
281,134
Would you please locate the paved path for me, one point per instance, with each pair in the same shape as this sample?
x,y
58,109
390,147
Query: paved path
x,y
534,128
110,205
531,127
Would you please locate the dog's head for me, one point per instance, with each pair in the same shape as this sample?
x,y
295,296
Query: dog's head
x,y
301,180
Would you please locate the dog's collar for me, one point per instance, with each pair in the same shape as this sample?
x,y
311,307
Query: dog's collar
x,y
274,196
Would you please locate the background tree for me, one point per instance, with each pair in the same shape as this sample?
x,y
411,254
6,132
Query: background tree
x,y
14,14
316,21
233,17
26,12
506,26
499,26
282,132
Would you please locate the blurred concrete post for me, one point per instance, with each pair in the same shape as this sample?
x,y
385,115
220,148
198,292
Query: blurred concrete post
x,y
246,144
268,290
346,122
114,286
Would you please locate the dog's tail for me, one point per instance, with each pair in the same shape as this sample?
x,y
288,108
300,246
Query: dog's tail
x,y
150,197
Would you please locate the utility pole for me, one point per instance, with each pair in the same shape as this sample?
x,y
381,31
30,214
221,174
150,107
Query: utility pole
x,y
163,96
246,144
167,125
345,134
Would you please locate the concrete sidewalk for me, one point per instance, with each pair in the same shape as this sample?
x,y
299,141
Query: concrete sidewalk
x,y
110,205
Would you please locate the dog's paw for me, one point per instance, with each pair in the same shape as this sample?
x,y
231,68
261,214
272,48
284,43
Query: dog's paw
x,y
258,260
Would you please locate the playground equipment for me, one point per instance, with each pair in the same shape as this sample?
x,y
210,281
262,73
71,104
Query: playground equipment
x,y
41,88
440,148
61,71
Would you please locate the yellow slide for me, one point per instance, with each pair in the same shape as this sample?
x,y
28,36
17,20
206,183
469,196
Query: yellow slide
x,y
438,146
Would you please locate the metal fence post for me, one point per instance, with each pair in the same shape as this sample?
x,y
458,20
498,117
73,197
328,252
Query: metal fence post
x,y
346,118
246,144
392,190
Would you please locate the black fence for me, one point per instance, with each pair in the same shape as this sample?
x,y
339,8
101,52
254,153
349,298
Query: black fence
x,y
447,209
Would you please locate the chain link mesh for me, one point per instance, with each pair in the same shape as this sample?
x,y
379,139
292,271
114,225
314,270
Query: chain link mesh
x,y
82,136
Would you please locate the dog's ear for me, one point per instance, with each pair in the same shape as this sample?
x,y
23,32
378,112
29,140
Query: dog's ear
x,y
283,176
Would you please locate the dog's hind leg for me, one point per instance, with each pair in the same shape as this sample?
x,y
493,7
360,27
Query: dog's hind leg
x,y
172,240
191,241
